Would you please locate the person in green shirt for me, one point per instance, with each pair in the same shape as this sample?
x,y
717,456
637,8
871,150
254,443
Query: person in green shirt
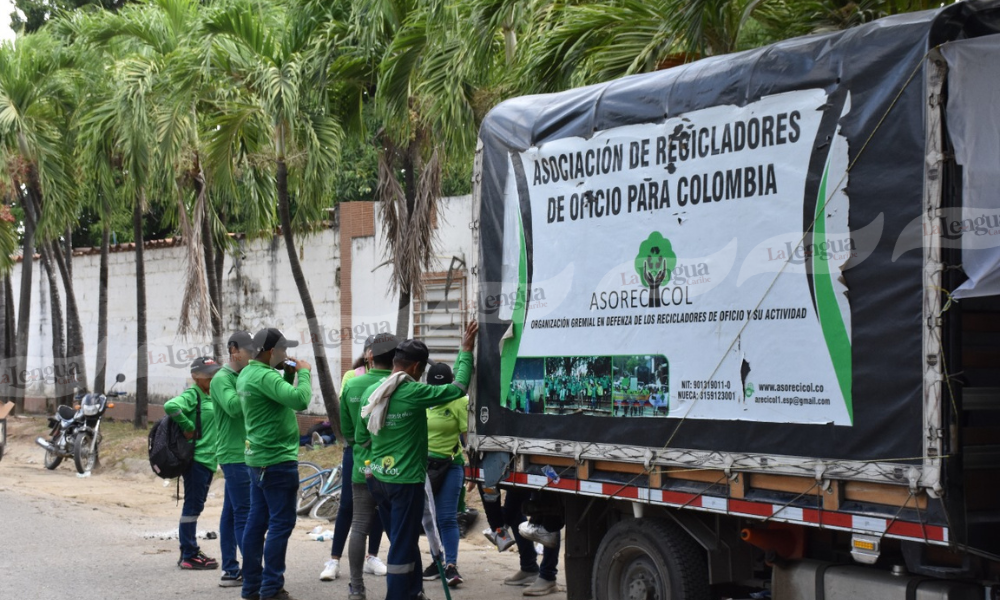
x,y
365,521
232,441
269,402
394,416
360,365
445,425
194,412
345,513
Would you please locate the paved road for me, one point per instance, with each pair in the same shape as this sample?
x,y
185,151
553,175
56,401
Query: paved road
x,y
58,548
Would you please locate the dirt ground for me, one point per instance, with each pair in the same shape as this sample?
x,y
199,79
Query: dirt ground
x,y
125,490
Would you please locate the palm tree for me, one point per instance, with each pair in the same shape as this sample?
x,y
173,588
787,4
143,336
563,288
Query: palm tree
x,y
282,118
119,125
32,130
416,60
167,32
578,43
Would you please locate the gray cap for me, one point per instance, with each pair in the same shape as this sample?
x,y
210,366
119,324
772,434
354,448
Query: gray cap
x,y
241,339
271,338
204,365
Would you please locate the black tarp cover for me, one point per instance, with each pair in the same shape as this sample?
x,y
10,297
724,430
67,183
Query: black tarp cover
x,y
877,66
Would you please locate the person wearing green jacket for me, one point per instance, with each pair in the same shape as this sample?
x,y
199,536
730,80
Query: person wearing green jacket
x,y
395,416
232,442
365,523
269,402
194,412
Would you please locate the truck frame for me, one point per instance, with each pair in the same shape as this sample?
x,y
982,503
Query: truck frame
x,y
673,522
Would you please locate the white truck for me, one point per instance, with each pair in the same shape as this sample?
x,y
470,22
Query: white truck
x,y
740,319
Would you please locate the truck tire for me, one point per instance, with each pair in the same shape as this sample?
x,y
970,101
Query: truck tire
x,y
649,559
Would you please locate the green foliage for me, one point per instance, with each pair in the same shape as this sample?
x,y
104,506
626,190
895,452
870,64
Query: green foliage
x,y
32,14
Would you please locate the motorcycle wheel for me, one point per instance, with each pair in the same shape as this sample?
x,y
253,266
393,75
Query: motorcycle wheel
x,y
81,452
52,460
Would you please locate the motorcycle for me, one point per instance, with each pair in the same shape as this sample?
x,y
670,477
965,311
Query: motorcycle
x,y
76,430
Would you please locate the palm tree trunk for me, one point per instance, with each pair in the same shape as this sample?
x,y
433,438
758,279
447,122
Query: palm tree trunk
x,y
24,300
4,329
68,249
330,399
10,328
58,340
142,356
75,358
102,312
220,264
411,158
213,282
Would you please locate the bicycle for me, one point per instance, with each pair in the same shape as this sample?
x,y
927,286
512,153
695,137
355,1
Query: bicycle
x,y
319,491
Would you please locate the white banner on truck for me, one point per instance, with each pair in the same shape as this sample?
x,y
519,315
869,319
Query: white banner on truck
x,y
687,283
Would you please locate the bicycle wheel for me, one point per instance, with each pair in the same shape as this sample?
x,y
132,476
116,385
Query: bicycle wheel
x,y
327,507
311,481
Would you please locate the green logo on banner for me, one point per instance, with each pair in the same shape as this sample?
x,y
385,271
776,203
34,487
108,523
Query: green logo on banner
x,y
748,391
654,263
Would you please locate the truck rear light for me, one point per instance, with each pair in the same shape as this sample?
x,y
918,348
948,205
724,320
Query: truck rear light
x,y
865,548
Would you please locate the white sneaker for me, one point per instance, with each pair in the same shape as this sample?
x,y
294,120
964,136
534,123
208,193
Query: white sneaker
x,y
375,566
331,571
537,533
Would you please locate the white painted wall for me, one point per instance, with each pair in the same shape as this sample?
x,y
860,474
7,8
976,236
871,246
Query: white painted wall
x,y
258,292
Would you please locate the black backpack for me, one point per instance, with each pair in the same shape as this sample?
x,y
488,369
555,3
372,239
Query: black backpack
x,y
170,453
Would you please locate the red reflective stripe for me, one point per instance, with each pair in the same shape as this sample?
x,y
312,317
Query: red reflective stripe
x,y
914,530
750,508
745,507
679,498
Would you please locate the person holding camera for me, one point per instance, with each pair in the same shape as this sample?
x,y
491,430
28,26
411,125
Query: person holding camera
x,y
269,402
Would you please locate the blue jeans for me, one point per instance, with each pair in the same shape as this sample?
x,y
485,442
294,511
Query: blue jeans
x,y
235,509
446,507
402,508
197,480
526,548
273,493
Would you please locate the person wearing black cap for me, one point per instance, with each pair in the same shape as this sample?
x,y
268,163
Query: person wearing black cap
x,y
345,513
365,523
232,442
342,524
446,468
395,417
269,404
194,412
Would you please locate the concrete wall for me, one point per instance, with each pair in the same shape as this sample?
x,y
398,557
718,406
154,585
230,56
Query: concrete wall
x,y
258,292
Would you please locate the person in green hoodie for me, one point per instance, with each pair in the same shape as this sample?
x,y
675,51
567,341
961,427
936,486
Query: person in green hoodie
x,y
269,402
232,443
194,412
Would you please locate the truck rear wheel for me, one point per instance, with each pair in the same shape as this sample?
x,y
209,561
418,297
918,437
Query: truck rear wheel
x,y
649,559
